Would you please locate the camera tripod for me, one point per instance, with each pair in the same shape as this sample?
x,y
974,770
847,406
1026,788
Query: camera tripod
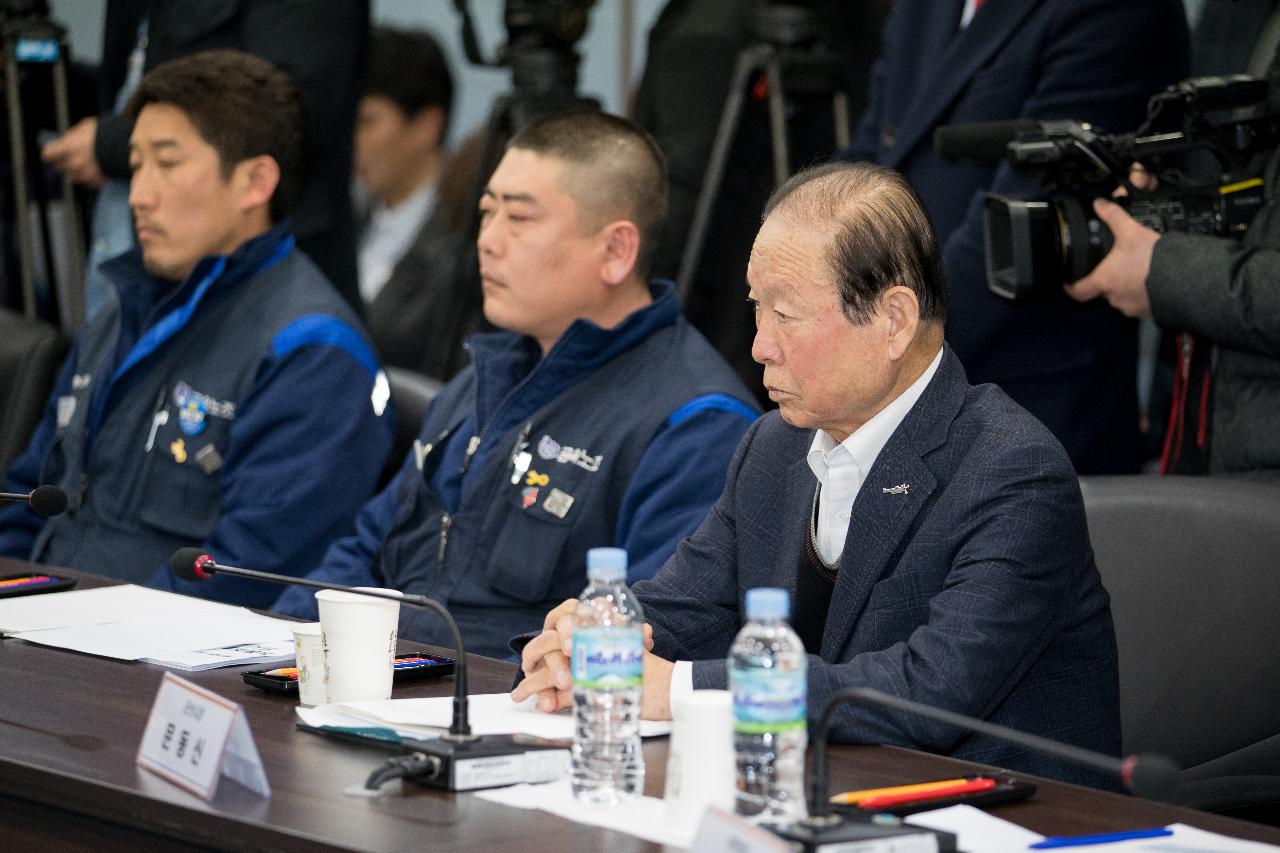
x,y
31,39
788,60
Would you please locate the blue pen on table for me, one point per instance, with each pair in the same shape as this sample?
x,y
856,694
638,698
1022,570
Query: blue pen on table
x,y
1101,838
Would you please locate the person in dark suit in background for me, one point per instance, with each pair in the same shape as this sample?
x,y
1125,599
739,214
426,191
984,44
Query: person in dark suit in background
x,y
957,61
409,253
932,532
319,45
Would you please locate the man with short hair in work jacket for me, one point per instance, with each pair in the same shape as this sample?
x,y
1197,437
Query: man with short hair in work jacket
x,y
224,396
598,417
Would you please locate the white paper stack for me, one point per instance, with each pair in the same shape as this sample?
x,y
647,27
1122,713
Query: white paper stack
x,y
133,623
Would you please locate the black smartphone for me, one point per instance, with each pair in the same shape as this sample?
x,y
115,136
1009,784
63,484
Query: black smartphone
x,y
411,667
32,583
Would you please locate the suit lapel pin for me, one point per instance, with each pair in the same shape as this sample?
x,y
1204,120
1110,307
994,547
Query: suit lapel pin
x,y
900,489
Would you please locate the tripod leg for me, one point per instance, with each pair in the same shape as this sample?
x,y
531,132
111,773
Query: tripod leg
x,y
749,61
840,114
71,285
778,121
21,192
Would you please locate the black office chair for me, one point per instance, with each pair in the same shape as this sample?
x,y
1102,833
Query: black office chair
x,y
31,352
411,393
1193,568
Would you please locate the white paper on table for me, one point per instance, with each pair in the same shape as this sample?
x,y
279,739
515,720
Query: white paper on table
x,y
165,633
321,716
490,714
94,607
976,830
643,817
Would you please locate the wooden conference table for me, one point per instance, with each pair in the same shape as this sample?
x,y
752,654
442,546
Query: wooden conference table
x,y
70,725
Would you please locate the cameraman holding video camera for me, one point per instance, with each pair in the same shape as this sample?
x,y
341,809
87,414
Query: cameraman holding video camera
x,y
1223,298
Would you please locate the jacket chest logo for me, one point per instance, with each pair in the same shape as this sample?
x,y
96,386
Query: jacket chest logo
x,y
194,407
552,450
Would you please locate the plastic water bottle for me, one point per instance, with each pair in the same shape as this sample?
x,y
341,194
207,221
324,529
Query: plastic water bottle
x,y
608,683
768,676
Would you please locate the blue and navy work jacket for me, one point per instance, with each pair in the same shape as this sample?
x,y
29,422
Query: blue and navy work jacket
x,y
242,410
617,437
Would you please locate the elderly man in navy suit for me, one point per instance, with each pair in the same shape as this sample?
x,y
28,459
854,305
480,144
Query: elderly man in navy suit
x,y
932,532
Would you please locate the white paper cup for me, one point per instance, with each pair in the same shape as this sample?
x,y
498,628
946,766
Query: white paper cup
x,y
700,768
308,648
359,644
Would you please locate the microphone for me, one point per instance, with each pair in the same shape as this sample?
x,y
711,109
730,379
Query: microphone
x,y
984,140
457,761
1148,775
44,500
193,564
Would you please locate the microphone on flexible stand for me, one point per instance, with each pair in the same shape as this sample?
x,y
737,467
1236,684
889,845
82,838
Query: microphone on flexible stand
x,y
43,500
456,761
1148,775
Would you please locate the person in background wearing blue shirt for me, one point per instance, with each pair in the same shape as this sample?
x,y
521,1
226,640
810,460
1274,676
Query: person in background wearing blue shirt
x,y
225,394
598,416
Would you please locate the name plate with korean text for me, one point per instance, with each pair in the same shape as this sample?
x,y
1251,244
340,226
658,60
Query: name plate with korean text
x,y
194,738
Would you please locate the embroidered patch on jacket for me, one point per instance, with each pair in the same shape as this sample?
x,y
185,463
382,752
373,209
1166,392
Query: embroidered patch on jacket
x,y
552,450
209,459
558,503
194,407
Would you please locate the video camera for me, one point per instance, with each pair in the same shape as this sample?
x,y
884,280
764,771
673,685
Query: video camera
x,y
1219,125
541,35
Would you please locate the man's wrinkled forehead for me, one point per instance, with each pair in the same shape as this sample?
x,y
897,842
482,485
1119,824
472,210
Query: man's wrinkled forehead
x,y
789,247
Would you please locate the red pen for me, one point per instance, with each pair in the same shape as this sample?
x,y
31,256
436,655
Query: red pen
x,y
890,800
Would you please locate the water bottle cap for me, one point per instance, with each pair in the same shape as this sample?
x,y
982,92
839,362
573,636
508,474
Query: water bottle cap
x,y
768,603
606,564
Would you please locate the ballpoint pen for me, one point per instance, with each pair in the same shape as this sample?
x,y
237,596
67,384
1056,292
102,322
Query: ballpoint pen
x,y
887,801
1054,841
849,798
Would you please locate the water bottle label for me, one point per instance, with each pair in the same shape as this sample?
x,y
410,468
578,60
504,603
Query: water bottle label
x,y
608,658
768,701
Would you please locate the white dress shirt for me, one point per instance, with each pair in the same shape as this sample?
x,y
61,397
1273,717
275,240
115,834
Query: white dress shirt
x,y
970,6
841,469
388,235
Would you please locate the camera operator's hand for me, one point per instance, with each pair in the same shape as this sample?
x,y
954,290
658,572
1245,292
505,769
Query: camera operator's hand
x,y
1121,277
73,153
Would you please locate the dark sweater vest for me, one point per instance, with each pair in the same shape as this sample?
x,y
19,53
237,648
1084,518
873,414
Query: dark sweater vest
x,y
508,555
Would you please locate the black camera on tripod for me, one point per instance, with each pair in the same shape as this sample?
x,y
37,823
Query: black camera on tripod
x,y
541,37
1223,126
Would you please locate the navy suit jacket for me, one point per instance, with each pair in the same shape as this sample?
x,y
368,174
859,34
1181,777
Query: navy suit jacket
x,y
1071,365
974,591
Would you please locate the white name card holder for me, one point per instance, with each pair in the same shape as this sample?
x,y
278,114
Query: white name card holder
x,y
721,832
195,737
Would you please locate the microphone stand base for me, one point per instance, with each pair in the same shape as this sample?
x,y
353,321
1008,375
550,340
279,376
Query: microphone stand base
x,y
488,761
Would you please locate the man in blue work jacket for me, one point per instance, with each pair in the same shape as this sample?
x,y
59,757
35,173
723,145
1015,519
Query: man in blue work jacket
x,y
225,395
599,416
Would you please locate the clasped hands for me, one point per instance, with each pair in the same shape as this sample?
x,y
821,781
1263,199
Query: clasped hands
x,y
547,675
